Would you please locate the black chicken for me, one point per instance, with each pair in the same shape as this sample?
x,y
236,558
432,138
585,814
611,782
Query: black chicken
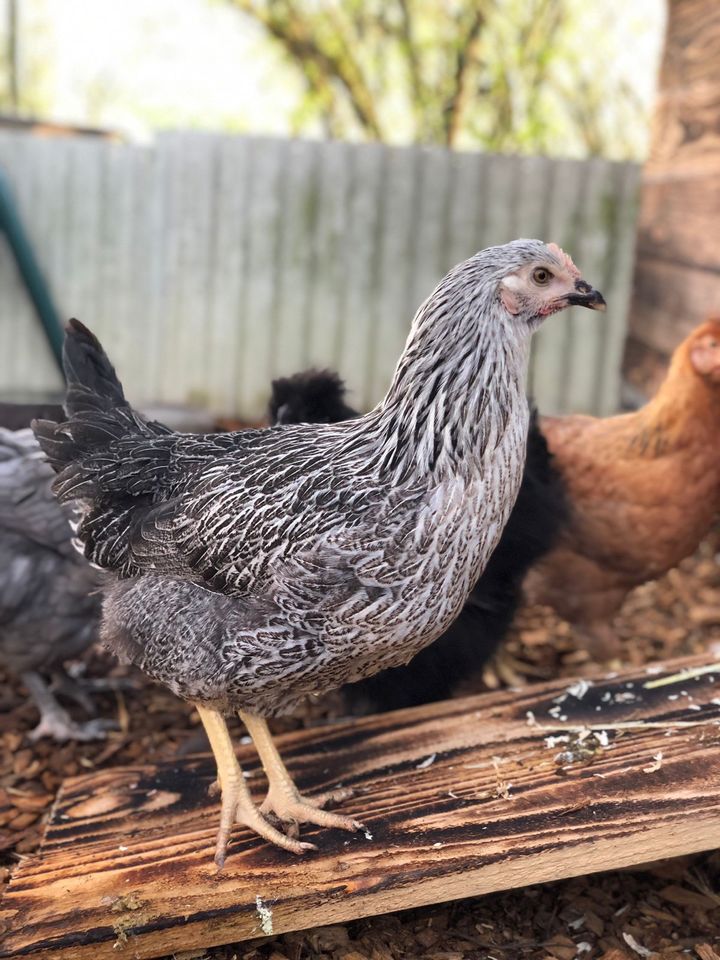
x,y
539,515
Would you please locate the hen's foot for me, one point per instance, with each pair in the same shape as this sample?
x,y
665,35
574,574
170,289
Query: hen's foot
x,y
61,727
284,799
74,690
55,721
237,807
285,802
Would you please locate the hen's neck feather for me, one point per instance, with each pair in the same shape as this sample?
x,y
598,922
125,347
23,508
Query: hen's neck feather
x,y
686,405
459,385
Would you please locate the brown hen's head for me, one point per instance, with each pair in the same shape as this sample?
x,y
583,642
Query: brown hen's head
x,y
704,350
542,288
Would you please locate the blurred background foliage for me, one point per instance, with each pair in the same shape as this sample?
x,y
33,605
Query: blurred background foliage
x,y
559,77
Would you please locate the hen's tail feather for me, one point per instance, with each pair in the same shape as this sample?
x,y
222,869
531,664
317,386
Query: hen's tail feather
x,y
86,451
92,382
106,455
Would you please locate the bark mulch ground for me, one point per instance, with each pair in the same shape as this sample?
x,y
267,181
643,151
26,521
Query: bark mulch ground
x,y
662,910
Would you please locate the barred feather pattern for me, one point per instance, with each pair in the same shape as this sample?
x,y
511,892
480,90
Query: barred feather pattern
x,y
256,568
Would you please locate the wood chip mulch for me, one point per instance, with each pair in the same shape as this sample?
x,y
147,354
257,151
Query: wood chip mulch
x,y
669,909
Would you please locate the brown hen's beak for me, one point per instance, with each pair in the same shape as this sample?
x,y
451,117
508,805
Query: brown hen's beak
x,y
586,296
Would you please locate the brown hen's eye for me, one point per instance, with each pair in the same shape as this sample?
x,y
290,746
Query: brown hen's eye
x,y
542,276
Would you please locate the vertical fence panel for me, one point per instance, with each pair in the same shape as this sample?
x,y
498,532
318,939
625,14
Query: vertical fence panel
x,y
620,209
359,262
211,263
228,273
296,265
394,303
324,313
263,231
553,342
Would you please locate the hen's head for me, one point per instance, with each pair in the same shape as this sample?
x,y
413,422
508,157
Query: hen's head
x,y
541,280
704,350
313,396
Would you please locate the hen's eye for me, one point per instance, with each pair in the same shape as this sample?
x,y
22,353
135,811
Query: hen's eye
x,y
541,276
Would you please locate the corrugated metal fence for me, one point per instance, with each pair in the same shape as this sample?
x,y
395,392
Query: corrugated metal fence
x,y
208,264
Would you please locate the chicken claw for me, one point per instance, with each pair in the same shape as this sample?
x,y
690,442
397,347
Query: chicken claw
x,y
59,725
237,807
55,721
290,806
283,797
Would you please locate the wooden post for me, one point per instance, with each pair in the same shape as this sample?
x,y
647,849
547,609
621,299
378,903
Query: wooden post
x,y
677,278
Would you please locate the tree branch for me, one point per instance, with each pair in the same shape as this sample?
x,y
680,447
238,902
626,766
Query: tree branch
x,y
466,56
288,27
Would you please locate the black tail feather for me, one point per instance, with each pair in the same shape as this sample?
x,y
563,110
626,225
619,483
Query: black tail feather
x,y
91,378
98,417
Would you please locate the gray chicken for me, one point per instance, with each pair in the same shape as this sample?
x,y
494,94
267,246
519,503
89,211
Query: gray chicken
x,y
49,605
255,568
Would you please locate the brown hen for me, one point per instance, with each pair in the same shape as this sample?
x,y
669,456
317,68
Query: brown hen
x,y
644,489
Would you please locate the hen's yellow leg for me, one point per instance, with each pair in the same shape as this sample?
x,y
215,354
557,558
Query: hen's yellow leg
x,y
283,798
237,805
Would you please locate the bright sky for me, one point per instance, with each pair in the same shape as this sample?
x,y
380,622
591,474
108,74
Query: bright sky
x,y
134,65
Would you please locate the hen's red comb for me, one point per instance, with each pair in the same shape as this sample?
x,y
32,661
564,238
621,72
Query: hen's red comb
x,y
564,258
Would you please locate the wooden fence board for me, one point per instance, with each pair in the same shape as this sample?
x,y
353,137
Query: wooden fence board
x,y
211,263
459,798
299,193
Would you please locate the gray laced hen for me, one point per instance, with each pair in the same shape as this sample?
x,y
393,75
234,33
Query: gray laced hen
x,y
255,568
49,601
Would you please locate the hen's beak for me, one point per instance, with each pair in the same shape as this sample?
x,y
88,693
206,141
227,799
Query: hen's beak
x,y
586,296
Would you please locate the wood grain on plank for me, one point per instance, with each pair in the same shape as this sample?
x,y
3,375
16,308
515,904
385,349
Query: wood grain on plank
x,y
459,798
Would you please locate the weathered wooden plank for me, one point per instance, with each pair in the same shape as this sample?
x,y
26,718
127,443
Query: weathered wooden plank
x,y
675,207
670,299
459,798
